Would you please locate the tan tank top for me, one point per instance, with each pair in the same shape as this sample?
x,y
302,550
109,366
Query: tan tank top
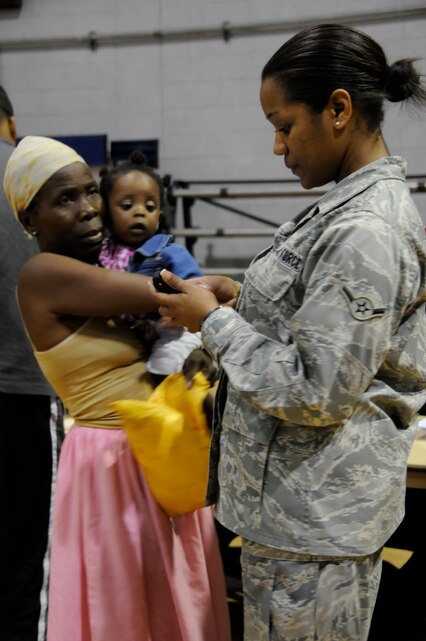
x,y
101,363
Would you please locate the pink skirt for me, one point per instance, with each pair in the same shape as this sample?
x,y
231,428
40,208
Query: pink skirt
x,y
121,569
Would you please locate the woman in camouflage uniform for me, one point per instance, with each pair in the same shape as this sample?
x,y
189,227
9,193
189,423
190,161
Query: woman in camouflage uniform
x,y
323,358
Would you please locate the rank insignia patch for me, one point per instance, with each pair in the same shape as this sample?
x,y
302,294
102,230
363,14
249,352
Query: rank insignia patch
x,y
361,307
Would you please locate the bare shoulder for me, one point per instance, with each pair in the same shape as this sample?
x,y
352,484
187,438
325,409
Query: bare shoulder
x,y
49,277
32,266
40,286
46,267
54,288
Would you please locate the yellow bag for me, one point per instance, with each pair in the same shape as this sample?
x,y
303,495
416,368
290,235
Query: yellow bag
x,y
170,439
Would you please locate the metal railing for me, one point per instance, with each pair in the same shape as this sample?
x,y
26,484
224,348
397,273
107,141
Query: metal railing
x,y
183,192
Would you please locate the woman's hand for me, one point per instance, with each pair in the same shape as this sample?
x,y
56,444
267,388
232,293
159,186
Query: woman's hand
x,y
197,297
224,288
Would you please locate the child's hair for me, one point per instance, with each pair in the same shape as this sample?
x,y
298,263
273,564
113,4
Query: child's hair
x,y
136,162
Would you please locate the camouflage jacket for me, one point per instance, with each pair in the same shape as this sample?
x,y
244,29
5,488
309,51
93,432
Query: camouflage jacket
x,y
323,372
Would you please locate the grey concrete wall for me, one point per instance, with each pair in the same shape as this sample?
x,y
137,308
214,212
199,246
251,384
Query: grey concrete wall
x,y
199,97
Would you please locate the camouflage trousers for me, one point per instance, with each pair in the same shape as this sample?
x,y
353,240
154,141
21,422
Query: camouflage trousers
x,y
298,597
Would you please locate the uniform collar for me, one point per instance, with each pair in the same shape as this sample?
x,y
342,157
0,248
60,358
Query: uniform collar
x,y
389,168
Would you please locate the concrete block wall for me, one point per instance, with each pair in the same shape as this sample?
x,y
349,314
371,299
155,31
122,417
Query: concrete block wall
x,y
199,97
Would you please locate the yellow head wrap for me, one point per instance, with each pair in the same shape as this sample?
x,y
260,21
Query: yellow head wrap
x,y
33,161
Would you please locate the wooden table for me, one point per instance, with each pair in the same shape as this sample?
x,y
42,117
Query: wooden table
x,y
416,466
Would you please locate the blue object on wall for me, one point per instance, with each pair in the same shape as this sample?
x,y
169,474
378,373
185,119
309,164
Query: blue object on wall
x,y
92,148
